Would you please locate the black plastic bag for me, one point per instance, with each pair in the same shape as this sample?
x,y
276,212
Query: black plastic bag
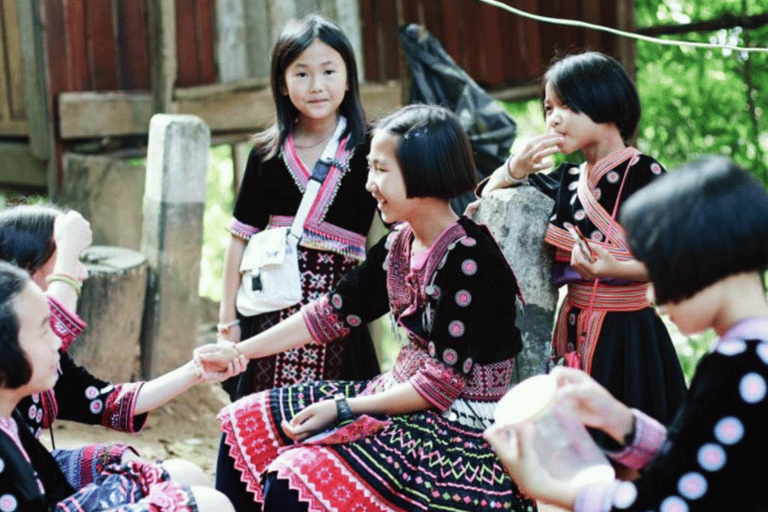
x,y
437,80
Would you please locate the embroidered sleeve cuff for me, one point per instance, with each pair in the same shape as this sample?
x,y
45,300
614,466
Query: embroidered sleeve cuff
x,y
120,407
649,436
595,498
323,321
440,386
64,323
241,229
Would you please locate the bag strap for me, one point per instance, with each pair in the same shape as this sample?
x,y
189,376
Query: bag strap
x,y
319,173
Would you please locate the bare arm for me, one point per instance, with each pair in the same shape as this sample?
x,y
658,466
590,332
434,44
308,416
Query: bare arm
x,y
532,158
72,235
399,399
229,286
606,265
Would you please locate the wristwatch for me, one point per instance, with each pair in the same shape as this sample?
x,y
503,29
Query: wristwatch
x,y
343,412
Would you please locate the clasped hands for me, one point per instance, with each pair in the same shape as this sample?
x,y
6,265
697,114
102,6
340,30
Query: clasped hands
x,y
219,361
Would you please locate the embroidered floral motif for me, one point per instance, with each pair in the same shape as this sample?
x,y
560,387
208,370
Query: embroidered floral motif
x,y
456,328
613,177
469,267
463,298
450,356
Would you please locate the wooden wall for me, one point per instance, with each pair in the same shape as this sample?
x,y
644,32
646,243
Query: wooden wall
x,y
497,48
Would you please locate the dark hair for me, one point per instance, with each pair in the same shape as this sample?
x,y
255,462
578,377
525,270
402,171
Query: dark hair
x,y
597,85
434,153
697,225
26,235
296,37
15,370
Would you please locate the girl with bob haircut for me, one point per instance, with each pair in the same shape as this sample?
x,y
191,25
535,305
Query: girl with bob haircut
x,y
47,242
605,326
30,477
380,444
315,89
702,232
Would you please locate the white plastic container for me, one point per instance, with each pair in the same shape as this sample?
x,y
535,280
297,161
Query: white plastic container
x,y
562,444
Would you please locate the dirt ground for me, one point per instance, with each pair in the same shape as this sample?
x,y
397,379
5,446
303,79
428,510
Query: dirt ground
x,y
186,427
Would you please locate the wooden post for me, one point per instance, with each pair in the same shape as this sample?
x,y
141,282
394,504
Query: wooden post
x,y
162,47
174,197
517,218
231,50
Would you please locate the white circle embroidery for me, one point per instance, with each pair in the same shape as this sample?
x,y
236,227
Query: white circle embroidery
x,y
8,503
626,494
673,504
729,430
752,388
2,465
762,351
731,347
692,486
711,457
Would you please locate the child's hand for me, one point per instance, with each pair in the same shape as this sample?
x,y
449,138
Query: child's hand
x,y
594,405
471,208
234,367
514,447
310,420
216,357
534,156
71,233
604,263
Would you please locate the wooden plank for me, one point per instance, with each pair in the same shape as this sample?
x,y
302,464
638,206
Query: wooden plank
x,y
187,44
133,44
35,95
72,36
370,48
470,60
451,39
259,37
231,40
532,39
491,48
164,65
204,19
102,45
92,115
13,60
348,18
5,107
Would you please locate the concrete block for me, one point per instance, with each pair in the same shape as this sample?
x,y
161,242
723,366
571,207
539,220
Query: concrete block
x,y
517,218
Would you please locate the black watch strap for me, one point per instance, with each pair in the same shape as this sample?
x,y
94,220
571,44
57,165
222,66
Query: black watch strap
x,y
343,412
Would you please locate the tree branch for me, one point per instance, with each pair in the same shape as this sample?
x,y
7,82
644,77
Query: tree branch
x,y
728,20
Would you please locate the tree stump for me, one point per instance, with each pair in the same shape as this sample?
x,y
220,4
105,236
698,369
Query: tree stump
x,y
112,304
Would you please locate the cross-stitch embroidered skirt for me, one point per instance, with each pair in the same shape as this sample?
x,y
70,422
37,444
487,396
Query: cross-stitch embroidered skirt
x,y
104,482
421,461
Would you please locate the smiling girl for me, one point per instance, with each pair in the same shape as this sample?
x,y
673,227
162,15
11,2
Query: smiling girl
x,y
606,324
410,439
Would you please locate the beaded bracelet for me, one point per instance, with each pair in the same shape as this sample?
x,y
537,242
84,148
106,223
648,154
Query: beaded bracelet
x,y
74,283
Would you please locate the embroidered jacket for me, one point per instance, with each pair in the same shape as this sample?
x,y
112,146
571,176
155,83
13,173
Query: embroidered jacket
x,y
458,311
340,217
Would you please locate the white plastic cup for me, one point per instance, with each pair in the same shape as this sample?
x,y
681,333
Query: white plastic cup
x,y
562,444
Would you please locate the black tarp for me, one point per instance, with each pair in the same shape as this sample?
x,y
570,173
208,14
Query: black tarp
x,y
436,79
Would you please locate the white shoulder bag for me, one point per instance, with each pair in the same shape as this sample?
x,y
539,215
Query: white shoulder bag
x,y
270,266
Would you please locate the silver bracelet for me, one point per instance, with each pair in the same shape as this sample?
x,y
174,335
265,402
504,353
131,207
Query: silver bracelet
x,y
508,178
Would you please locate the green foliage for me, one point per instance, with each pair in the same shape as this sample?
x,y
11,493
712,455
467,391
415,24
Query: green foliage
x,y
219,203
699,101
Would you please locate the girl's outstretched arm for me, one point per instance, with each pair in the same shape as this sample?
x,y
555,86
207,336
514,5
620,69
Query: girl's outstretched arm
x,y
290,333
164,388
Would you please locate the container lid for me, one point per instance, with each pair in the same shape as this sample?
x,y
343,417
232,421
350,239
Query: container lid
x,y
526,400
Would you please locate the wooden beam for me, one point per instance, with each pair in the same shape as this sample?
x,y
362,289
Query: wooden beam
x,y
224,107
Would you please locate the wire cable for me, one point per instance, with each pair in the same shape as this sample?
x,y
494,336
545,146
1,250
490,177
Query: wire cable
x,y
632,35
